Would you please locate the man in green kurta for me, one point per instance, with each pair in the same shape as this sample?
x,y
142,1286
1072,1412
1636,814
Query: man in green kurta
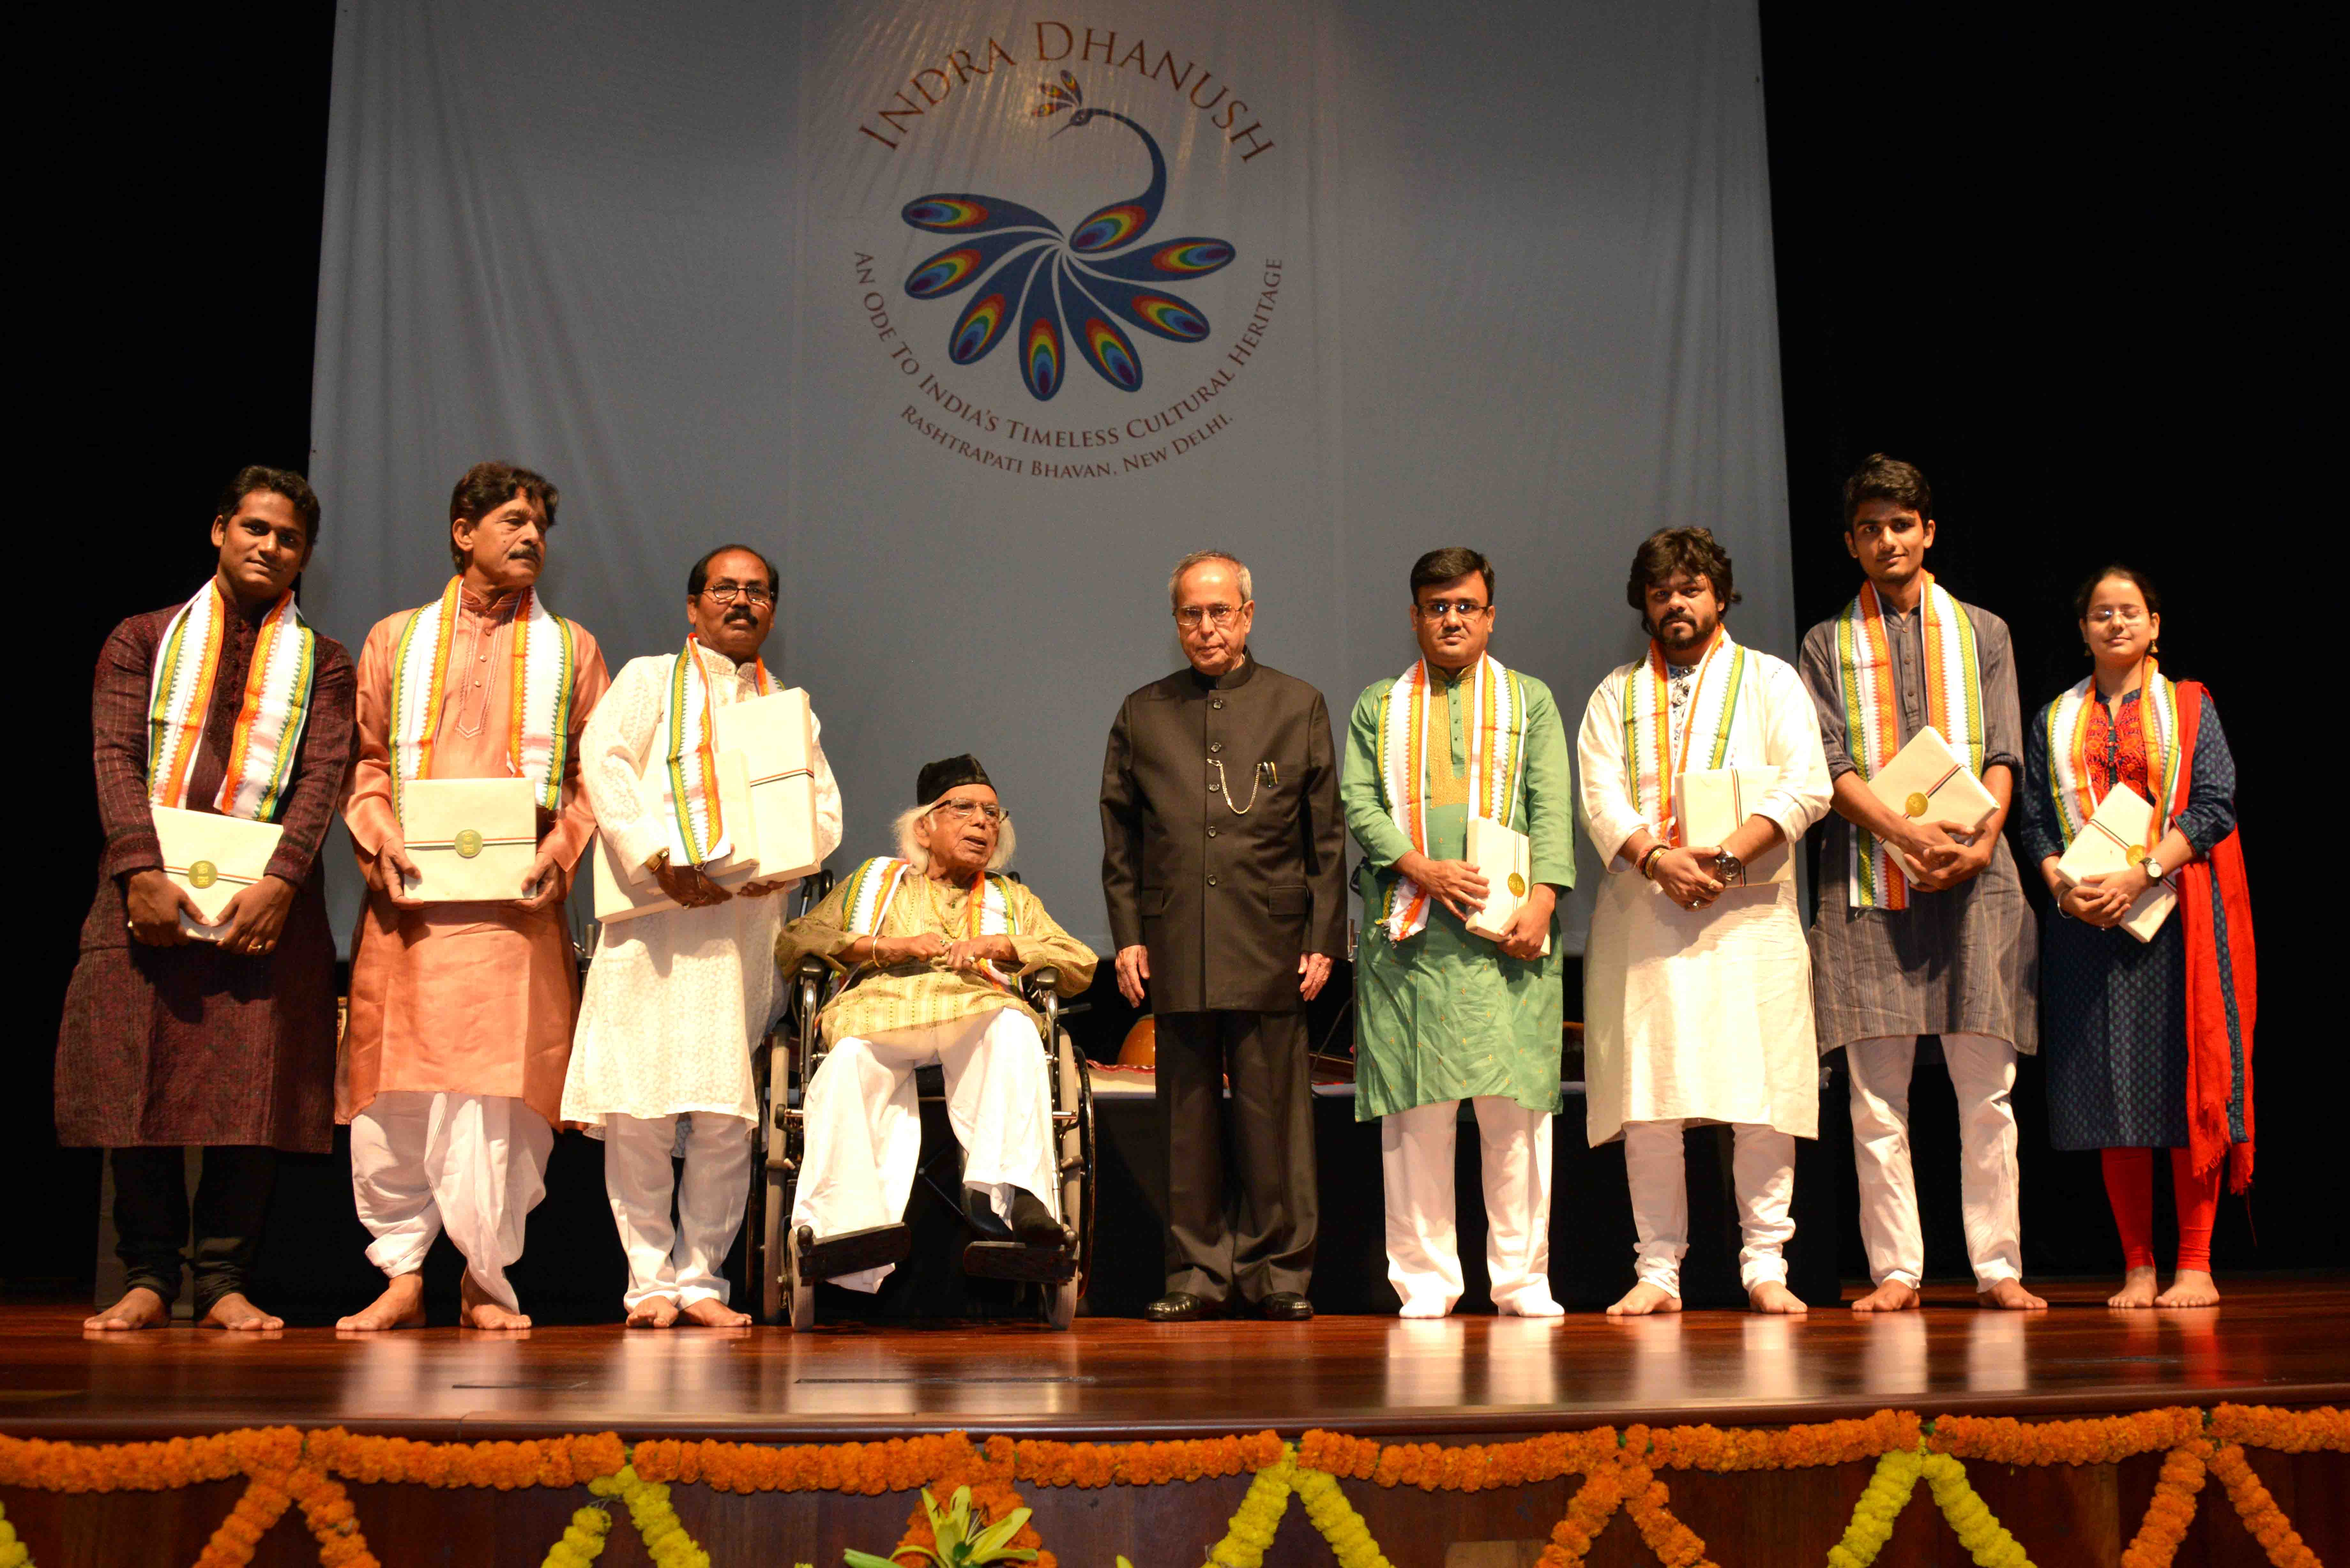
x,y
1442,1013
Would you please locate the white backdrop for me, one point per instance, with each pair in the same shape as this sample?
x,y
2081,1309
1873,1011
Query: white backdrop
x,y
1496,275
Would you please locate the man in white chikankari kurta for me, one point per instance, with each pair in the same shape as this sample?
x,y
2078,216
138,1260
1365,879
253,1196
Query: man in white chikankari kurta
x,y
1697,988
676,1001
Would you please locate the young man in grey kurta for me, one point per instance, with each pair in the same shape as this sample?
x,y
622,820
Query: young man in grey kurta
x,y
1950,950
1442,1014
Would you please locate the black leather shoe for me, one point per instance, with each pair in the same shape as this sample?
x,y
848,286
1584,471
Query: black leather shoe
x,y
1179,1306
982,1214
1285,1306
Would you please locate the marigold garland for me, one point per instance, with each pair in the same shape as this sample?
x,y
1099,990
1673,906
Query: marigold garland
x,y
283,1467
1254,1523
2173,1507
582,1539
1881,1503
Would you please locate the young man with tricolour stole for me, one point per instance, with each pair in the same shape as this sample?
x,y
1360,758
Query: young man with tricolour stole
x,y
459,1027
1697,993
677,1000
1920,929
1443,1014
230,704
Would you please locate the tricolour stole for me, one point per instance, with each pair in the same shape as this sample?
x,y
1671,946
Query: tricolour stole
x,y
1655,754
269,719
1873,875
2068,754
690,813
1497,707
875,885
538,726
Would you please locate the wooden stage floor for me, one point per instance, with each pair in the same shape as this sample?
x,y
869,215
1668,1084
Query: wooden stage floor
x,y
2272,1341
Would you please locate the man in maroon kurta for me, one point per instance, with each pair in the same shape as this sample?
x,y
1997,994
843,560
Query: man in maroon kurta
x,y
168,1042
452,1069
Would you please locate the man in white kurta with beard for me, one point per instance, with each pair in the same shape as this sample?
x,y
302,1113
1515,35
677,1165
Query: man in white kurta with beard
x,y
1697,987
676,999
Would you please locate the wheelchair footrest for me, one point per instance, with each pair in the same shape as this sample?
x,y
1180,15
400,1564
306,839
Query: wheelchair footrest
x,y
1012,1260
852,1251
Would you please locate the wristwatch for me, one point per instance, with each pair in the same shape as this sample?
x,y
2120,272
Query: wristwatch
x,y
2152,869
1729,867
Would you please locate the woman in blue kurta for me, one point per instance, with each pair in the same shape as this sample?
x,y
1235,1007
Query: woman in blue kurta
x,y
2149,1045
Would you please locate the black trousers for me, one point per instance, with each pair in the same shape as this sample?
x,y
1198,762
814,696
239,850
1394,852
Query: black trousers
x,y
1266,1244
151,1218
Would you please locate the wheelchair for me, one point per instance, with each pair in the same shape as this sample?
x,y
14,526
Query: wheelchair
x,y
786,1263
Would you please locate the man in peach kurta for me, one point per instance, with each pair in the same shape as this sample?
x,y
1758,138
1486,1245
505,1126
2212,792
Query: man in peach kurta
x,y
452,1070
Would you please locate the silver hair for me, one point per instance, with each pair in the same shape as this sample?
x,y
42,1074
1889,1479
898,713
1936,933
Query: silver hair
x,y
908,850
1199,557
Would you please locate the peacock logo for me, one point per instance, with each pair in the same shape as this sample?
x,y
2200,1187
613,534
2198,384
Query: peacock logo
x,y
1060,294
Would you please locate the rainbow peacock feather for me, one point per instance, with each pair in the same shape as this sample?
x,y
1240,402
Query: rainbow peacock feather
x,y
1034,273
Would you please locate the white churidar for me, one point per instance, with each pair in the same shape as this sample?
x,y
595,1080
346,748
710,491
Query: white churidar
x,y
1982,1077
864,1135
1761,1173
675,1001
682,1262
1423,1243
474,1165
1701,1014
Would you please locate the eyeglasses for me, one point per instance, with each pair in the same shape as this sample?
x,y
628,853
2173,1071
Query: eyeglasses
x,y
1214,615
2128,615
964,810
1437,609
727,593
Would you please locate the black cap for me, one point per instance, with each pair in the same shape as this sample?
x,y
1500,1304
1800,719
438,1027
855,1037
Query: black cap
x,y
939,777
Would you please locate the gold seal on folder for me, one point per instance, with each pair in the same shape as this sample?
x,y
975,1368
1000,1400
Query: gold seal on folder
x,y
1517,886
203,873
1915,806
469,842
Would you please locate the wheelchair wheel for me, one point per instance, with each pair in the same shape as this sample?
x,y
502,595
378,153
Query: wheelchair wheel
x,y
1079,1187
772,1185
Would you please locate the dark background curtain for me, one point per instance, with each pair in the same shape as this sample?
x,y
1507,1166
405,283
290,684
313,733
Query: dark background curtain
x,y
2065,263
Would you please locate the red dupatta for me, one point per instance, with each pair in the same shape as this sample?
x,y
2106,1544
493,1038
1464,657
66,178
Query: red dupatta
x,y
2221,987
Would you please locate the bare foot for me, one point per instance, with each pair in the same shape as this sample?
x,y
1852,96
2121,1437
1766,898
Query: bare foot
x,y
1773,1297
2010,1295
401,1305
2137,1290
477,1310
233,1313
653,1312
1890,1296
1643,1299
711,1312
138,1308
2189,1288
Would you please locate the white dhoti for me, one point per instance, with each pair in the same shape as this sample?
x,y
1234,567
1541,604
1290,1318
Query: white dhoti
x,y
1763,1175
865,1134
1982,1077
1416,1150
681,1260
474,1165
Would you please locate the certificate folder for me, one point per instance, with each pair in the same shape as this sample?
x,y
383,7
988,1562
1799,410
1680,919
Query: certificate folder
x,y
212,859
1716,802
1927,782
473,840
1504,858
624,892
776,740
2113,839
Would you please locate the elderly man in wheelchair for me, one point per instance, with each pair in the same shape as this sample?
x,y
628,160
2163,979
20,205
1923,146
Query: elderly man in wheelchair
x,y
933,950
